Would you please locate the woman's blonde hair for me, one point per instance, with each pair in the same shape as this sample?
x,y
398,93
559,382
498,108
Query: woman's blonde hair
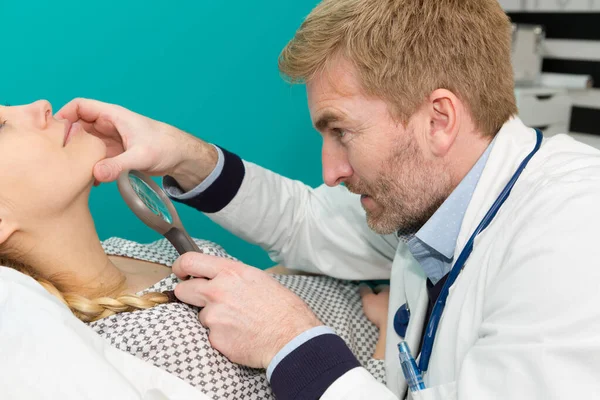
x,y
89,310
405,49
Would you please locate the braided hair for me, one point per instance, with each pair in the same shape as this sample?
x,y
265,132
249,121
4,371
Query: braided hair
x,y
89,310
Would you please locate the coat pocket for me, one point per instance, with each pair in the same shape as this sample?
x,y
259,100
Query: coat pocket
x,y
446,391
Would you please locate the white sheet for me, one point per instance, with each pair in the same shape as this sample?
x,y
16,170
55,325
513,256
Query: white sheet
x,y
47,353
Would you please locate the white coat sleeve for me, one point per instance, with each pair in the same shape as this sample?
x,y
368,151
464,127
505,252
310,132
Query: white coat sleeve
x,y
357,384
321,230
540,334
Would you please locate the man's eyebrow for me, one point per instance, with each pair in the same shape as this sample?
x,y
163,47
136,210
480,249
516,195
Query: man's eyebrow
x,y
325,119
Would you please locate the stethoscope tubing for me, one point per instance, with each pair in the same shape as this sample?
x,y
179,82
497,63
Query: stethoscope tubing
x,y
438,308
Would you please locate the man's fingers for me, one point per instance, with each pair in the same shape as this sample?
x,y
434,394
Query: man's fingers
x,y
96,118
198,265
192,292
206,316
71,110
88,127
109,169
103,171
85,109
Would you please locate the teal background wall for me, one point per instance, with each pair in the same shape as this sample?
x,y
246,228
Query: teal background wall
x,y
208,67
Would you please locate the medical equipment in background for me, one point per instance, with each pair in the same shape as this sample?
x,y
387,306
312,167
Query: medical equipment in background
x,y
568,81
527,53
545,108
148,201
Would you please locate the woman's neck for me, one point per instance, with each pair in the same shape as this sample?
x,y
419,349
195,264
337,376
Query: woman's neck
x,y
67,251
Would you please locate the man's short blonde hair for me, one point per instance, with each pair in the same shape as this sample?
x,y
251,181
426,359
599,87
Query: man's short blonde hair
x,y
405,49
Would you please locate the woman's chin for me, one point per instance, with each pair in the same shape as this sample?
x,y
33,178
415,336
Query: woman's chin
x,y
91,184
85,189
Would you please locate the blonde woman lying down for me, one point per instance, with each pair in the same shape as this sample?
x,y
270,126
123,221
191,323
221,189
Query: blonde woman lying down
x,y
116,286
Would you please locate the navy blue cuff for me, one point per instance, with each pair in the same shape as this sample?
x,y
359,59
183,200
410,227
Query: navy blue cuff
x,y
307,372
220,193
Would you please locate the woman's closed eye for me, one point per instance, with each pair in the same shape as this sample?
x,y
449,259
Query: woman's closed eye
x,y
2,120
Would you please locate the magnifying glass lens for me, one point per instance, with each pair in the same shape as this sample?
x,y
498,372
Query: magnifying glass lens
x,y
150,198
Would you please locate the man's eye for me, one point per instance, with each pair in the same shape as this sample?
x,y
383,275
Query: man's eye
x,y
2,123
339,132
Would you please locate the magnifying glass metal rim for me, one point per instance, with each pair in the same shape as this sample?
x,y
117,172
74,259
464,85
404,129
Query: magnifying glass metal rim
x,y
174,232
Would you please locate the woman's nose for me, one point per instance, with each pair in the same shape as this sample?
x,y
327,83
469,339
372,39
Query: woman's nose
x,y
336,168
41,112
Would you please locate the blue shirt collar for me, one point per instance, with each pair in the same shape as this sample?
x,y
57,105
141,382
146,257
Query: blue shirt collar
x,y
440,232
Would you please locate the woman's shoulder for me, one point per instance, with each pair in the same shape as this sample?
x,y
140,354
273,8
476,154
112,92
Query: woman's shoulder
x,y
160,251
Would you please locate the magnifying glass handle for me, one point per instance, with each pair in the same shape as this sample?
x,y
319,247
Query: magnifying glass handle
x,y
182,242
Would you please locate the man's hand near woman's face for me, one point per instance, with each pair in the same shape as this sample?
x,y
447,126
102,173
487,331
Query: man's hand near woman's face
x,y
137,142
249,314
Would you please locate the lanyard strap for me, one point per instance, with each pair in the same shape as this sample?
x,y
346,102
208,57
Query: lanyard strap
x,y
438,308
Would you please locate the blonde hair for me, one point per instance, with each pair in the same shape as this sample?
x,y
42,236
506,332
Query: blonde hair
x,y
89,310
405,49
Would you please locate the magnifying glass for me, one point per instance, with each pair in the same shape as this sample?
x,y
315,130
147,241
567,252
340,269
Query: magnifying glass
x,y
150,203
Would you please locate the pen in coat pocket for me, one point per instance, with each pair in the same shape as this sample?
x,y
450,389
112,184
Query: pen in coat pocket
x,y
411,372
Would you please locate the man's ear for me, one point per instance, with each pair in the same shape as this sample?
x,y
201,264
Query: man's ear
x,y
7,228
443,119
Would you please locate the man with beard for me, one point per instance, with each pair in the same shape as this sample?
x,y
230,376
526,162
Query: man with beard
x,y
486,233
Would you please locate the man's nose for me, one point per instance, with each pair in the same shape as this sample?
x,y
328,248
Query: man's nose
x,y
336,168
40,112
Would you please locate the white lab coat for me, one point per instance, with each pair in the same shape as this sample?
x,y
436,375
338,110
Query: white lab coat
x,y
522,321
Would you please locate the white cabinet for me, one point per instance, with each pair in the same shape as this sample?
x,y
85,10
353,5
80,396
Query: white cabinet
x,y
512,5
562,5
548,109
550,5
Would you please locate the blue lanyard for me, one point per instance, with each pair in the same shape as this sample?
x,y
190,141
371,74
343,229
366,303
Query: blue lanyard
x,y
438,308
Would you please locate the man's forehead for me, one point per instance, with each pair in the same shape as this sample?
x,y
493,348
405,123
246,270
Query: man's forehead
x,y
338,79
329,108
330,92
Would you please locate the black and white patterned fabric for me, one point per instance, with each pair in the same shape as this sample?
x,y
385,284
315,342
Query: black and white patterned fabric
x,y
171,337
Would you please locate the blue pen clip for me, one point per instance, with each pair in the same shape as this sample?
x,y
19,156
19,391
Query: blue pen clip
x,y
411,372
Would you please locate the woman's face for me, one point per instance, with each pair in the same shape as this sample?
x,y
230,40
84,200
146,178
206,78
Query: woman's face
x,y
45,164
